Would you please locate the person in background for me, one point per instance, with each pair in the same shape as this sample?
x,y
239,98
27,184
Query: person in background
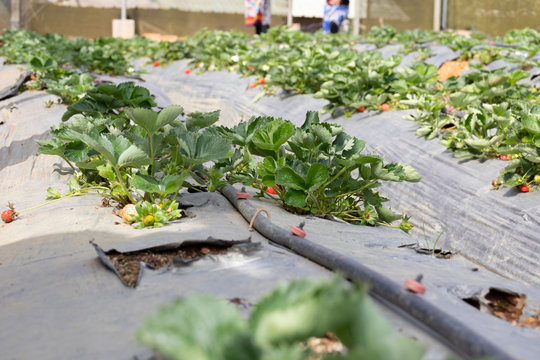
x,y
258,14
335,11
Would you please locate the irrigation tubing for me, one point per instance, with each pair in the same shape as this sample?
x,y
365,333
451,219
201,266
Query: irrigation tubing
x,y
463,340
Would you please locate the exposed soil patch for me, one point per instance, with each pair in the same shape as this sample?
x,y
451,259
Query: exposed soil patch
x,y
507,306
451,68
128,264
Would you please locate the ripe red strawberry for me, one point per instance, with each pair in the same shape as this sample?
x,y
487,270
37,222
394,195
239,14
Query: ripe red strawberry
x,y
505,157
187,71
524,188
32,77
261,81
9,214
385,107
252,85
451,108
156,63
361,109
271,190
250,68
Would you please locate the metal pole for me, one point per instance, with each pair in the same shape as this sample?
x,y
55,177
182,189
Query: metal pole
x,y
15,18
289,13
437,15
123,14
444,14
356,19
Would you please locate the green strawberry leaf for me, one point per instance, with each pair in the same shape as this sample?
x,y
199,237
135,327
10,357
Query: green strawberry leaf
x,y
316,176
296,198
199,120
288,177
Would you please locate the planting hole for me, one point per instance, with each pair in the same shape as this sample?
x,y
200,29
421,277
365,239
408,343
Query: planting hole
x,y
128,264
506,305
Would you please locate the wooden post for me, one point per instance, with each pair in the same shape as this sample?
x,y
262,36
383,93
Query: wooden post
x,y
15,18
289,13
437,15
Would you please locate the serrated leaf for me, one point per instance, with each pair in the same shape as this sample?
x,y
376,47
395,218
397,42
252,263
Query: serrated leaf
x,y
387,215
288,177
133,157
199,120
167,115
76,151
274,135
106,171
145,118
199,148
296,198
316,176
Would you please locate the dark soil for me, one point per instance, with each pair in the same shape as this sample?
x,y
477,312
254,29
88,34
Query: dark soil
x,y
509,307
128,264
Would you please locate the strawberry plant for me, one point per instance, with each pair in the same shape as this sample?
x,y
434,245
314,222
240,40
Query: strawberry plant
x,y
136,154
318,169
279,326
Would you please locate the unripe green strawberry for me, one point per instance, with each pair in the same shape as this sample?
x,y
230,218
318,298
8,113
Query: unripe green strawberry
x,y
149,220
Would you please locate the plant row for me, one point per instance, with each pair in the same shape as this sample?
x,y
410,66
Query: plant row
x,y
114,140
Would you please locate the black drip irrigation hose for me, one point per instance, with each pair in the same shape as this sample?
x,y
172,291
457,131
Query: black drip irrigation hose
x,y
461,338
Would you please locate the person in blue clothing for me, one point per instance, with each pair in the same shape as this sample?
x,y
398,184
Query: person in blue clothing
x,y
335,11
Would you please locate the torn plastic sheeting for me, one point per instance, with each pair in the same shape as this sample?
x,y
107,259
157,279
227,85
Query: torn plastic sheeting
x,y
245,247
410,59
58,301
501,64
13,90
391,50
440,54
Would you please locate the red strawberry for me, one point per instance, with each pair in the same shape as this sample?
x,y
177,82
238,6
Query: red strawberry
x,y
9,214
505,157
451,108
261,81
32,77
187,71
250,68
271,190
523,188
385,107
156,63
252,85
361,109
